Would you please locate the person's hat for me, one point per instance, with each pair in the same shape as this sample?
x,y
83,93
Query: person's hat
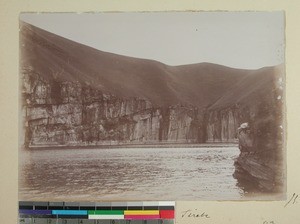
x,y
244,125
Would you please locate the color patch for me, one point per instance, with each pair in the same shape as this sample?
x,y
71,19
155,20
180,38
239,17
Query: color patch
x,y
106,216
34,212
69,212
141,212
106,212
141,217
167,214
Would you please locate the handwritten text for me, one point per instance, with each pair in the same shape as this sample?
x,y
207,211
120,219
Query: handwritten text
x,y
194,214
293,200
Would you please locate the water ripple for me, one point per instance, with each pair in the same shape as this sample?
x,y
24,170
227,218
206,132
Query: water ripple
x,y
129,174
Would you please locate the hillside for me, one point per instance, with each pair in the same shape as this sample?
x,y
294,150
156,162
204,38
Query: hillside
x,y
252,89
181,103
56,58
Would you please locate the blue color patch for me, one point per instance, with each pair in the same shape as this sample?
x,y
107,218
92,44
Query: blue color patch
x,y
69,212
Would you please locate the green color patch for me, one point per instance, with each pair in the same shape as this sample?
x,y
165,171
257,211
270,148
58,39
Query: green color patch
x,y
106,212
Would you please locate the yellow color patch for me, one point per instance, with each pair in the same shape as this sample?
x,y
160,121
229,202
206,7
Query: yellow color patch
x,y
141,212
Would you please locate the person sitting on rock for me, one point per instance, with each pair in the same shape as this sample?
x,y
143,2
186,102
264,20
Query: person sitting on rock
x,y
245,138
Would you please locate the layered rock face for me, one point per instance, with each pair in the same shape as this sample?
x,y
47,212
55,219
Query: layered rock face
x,y
222,125
69,113
260,165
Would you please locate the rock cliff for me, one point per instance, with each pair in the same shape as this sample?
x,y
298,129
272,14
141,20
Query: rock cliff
x,y
69,113
261,162
74,95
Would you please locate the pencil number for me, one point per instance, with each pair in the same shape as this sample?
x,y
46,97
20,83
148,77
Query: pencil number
x,y
293,200
269,222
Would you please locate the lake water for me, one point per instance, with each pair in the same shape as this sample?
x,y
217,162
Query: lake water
x,y
203,173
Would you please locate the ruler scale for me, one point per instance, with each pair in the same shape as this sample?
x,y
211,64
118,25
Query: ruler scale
x,y
97,213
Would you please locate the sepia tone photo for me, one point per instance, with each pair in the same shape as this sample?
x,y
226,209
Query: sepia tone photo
x,y
152,106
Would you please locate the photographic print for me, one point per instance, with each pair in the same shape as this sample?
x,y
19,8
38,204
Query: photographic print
x,y
152,106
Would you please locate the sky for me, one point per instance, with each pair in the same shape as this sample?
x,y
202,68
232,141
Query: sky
x,y
248,40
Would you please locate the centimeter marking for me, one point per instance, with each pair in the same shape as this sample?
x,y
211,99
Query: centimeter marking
x,y
89,221
99,214
96,213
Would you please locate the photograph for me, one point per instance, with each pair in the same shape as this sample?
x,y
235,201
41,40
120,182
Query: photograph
x,y
148,106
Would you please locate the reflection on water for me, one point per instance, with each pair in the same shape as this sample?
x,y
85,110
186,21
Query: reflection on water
x,y
129,174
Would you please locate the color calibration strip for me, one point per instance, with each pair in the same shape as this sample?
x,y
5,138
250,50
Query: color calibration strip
x,y
97,213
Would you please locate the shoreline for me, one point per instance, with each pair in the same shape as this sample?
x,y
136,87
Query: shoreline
x,y
161,145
